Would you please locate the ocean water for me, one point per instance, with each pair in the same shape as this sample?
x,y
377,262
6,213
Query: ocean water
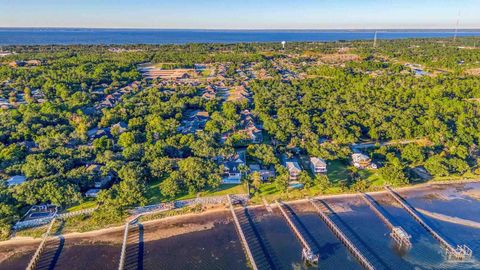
x,y
38,36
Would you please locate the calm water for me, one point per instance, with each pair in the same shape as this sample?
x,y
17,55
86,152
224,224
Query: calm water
x,y
219,247
27,36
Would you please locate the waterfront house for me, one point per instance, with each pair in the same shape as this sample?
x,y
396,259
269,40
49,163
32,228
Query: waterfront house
x,y
361,161
231,173
265,173
294,169
232,168
318,165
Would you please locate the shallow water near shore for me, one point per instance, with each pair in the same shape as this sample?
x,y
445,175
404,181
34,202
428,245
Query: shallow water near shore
x,y
210,241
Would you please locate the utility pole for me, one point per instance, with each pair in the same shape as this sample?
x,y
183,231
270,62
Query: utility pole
x,y
375,40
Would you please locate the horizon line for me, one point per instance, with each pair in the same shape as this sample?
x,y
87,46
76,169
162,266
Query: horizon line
x,y
242,29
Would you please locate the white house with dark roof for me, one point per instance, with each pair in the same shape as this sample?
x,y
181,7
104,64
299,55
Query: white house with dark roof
x,y
231,168
231,173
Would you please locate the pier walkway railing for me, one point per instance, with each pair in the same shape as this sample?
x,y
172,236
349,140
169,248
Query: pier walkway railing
x,y
242,235
398,234
307,253
36,256
343,238
183,203
461,252
123,254
42,221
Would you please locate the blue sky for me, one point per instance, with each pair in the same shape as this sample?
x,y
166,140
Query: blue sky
x,y
243,14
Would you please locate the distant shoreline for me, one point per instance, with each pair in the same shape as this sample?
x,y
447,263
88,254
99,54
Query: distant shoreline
x,y
140,36
398,30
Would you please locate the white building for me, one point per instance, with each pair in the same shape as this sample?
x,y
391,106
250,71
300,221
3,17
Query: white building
x,y
362,161
318,165
231,169
294,169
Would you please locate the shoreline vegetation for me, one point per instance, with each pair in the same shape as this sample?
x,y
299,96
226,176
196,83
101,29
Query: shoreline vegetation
x,y
33,234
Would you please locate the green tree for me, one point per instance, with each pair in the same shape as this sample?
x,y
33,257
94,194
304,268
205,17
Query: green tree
x,y
282,181
436,165
256,179
393,175
305,179
322,181
131,189
170,187
413,153
126,139
36,166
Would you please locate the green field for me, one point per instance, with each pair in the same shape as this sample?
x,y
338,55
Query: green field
x,y
337,171
154,195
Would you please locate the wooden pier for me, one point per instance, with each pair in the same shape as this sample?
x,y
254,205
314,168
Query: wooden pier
x,y
461,252
308,253
242,236
397,233
343,238
123,254
36,256
267,205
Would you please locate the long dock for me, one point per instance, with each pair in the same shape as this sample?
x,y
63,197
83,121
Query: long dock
x,y
121,265
36,256
397,233
461,252
123,254
307,253
242,236
343,238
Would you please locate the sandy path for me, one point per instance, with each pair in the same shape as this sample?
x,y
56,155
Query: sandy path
x,y
455,220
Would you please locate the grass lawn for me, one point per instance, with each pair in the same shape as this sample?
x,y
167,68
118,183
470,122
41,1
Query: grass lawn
x,y
89,203
154,196
373,177
337,171
224,190
467,175
270,192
